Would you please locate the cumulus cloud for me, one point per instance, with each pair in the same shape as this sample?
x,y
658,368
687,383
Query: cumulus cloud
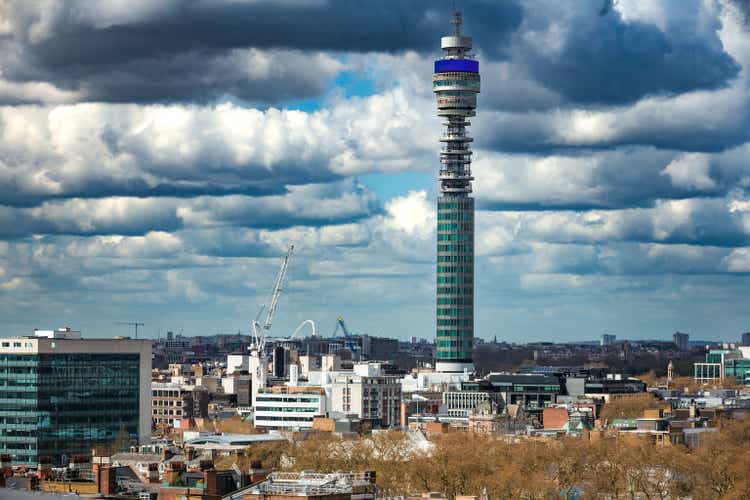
x,y
95,150
311,204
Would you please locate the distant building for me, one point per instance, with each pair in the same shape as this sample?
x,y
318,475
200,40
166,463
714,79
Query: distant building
x,y
722,363
746,339
63,395
681,340
607,339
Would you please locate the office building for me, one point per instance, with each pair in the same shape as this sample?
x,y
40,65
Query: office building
x,y
681,340
293,408
607,340
456,84
746,339
61,395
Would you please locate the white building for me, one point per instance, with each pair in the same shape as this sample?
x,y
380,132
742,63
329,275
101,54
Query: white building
x,y
293,408
368,394
238,363
433,381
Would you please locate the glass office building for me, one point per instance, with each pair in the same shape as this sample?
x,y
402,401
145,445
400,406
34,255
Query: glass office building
x,y
60,398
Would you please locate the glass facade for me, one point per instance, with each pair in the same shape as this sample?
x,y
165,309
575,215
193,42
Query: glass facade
x,y
455,302
58,405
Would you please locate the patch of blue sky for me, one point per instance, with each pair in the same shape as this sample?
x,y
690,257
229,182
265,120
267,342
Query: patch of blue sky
x,y
392,185
348,84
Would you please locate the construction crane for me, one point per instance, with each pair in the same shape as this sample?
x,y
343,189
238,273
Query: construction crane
x,y
259,335
350,341
277,289
340,324
131,323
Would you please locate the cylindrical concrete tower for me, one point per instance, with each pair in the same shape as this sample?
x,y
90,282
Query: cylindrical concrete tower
x,y
456,85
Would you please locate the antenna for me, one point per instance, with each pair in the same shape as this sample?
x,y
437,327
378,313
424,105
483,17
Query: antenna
x,y
457,21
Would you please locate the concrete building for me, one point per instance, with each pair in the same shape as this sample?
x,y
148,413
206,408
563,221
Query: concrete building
x,y
462,403
456,84
62,395
283,407
171,403
368,394
681,340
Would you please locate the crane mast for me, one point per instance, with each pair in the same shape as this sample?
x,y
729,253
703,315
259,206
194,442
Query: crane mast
x,y
277,289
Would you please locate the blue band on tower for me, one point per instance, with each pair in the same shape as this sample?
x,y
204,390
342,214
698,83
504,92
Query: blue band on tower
x,y
459,65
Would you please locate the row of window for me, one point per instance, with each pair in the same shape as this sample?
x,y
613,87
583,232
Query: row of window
x,y
18,344
455,205
465,216
288,399
455,269
455,280
454,333
453,355
285,409
455,237
455,301
455,83
269,418
454,290
165,394
159,402
168,412
456,322
455,226
454,248
454,343
455,258
453,311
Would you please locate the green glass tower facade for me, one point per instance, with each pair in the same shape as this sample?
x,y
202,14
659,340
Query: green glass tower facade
x,y
456,84
55,405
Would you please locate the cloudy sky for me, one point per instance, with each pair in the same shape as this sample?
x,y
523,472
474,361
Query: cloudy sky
x,y
156,158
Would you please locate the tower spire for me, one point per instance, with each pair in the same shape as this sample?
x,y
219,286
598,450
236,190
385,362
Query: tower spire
x,y
457,21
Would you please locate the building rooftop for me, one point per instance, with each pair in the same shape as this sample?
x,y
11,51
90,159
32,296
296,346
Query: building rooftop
x,y
311,483
233,439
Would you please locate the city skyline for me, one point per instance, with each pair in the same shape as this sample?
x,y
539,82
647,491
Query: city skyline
x,y
162,182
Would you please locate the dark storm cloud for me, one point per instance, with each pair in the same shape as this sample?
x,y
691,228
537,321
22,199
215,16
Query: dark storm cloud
x,y
198,51
604,59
